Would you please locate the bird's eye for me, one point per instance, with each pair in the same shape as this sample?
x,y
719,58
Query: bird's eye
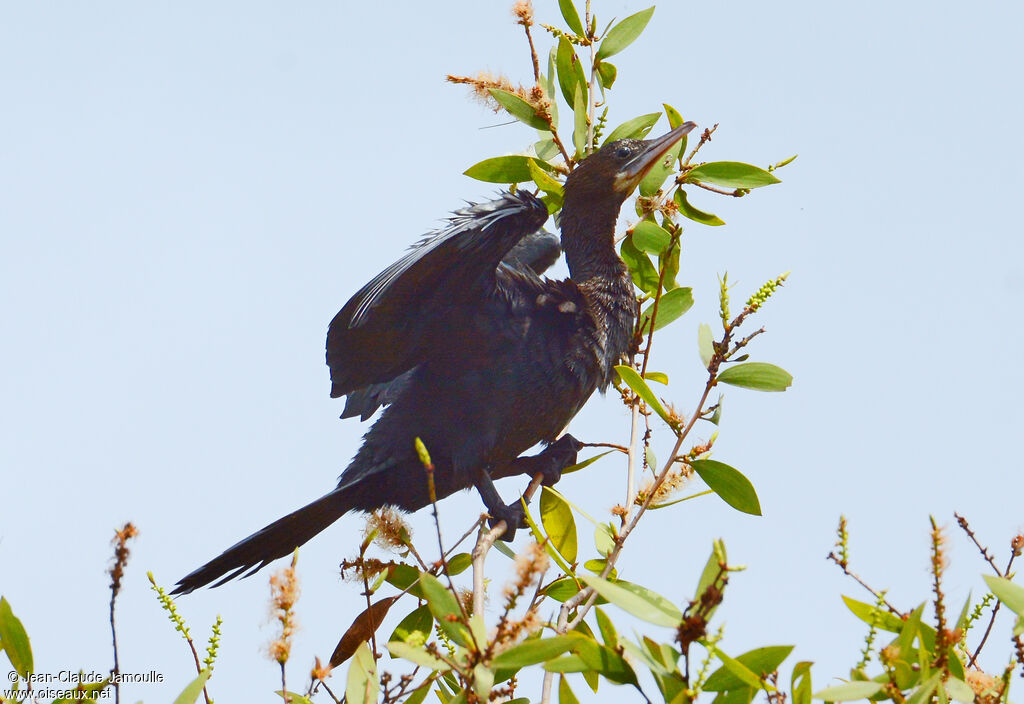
x,y
622,152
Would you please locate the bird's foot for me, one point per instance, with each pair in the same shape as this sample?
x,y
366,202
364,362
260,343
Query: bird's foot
x,y
559,455
514,516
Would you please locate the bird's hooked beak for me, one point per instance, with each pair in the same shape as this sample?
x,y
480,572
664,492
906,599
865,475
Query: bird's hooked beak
x,y
637,167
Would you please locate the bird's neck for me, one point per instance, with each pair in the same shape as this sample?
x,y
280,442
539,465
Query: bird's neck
x,y
588,240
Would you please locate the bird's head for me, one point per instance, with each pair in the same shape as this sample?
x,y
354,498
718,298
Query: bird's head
x,y
612,172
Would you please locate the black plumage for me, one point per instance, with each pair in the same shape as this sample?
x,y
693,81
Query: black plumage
x,y
471,351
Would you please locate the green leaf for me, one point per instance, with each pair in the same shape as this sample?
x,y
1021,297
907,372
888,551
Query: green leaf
x,y
483,682
872,615
636,600
519,109
362,684
416,627
759,662
705,344
416,655
959,690
420,693
544,182
513,168
556,517
640,387
402,576
849,691
191,692
445,610
604,539
534,652
545,149
674,119
648,236
585,463
669,263
924,693
637,128
607,628
659,377
731,174
624,33
736,672
759,376
606,73
579,130
571,16
801,683
1007,592
693,213
565,695
671,306
569,663
730,484
641,269
570,72
15,640
605,661
459,563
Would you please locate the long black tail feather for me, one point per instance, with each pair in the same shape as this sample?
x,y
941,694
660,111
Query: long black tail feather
x,y
278,539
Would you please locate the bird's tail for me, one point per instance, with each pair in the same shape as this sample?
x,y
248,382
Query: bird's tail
x,y
276,540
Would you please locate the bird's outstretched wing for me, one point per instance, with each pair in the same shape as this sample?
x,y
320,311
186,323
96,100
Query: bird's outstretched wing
x,y
392,324
535,253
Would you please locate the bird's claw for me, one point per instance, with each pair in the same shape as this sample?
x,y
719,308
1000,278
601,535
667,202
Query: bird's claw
x,y
561,454
514,516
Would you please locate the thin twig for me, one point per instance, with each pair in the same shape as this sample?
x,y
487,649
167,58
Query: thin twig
x,y
614,446
962,522
881,598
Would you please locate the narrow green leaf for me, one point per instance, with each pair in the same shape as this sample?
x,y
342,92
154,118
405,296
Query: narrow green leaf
x,y
801,683
674,118
641,269
585,463
545,149
445,610
705,344
513,168
191,692
671,306
534,652
624,33
420,693
565,695
571,16
415,628
519,109
713,569
959,690
544,182
633,380
759,662
669,263
459,563
606,73
637,128
362,684
579,113
416,655
737,672
636,600
559,524
606,661
570,72
924,693
1007,592
648,236
731,174
607,628
550,84
604,539
872,615
693,213
730,484
659,377
15,640
849,691
483,682
759,376
569,663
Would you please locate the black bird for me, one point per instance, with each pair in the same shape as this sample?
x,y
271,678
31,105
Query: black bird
x,y
474,353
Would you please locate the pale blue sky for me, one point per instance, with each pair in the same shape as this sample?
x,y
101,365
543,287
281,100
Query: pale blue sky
x,y
189,192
